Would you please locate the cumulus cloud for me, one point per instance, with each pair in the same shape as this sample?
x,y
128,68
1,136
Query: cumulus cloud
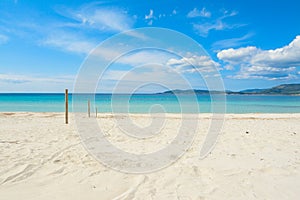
x,y
280,63
281,57
235,56
199,13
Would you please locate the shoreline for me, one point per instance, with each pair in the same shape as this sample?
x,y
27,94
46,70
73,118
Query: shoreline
x,y
199,115
120,113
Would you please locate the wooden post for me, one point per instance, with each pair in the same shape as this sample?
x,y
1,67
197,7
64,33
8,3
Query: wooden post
x,y
66,107
89,108
96,111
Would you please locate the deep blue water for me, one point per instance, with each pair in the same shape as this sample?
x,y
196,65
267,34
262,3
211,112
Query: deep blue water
x,y
143,103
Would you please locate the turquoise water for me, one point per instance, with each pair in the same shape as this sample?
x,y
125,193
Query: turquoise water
x,y
141,103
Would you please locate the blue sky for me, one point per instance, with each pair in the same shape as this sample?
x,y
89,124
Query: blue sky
x,y
254,44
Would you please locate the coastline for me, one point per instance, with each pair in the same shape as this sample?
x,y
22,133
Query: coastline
x,y
144,103
257,155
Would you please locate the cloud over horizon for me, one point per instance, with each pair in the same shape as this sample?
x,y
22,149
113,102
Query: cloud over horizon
x,y
255,63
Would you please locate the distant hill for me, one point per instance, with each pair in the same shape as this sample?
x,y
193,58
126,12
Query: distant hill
x,y
190,92
251,91
285,89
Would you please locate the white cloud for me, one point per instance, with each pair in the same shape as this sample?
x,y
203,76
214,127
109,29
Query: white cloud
x,y
269,69
194,64
189,64
267,73
34,83
104,19
147,73
153,74
150,15
228,67
232,42
81,29
218,24
281,57
162,15
100,18
140,57
16,78
280,63
155,67
3,39
69,42
151,66
227,13
204,29
199,13
234,56
106,53
145,57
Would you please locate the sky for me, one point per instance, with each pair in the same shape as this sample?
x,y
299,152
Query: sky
x,y
251,43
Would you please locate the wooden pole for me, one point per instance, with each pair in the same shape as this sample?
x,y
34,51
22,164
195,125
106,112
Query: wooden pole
x,y
66,107
89,108
96,112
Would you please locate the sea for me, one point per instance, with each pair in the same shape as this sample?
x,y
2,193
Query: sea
x,y
148,103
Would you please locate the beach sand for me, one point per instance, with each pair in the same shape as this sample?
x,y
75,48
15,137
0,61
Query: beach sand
x,y
257,156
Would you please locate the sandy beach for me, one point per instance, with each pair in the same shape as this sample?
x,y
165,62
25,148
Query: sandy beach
x,y
257,156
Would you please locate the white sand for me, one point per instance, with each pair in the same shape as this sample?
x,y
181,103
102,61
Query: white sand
x,y
42,158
